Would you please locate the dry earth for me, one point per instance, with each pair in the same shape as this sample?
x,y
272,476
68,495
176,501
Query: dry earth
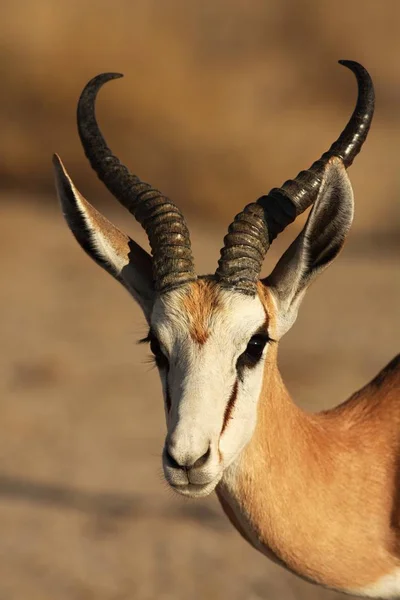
x,y
84,513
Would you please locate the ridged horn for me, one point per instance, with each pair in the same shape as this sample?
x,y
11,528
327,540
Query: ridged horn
x,y
163,222
253,230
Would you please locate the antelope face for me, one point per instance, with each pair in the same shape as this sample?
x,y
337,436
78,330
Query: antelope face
x,y
210,346
210,336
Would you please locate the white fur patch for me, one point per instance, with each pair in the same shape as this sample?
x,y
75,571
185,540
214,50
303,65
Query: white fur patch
x,y
387,586
202,376
100,240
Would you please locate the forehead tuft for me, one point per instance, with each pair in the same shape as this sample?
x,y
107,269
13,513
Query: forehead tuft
x,y
203,308
201,303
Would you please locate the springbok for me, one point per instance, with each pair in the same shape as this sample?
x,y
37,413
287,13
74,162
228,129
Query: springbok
x,y
317,493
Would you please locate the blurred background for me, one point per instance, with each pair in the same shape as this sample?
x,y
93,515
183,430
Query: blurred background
x,y
220,102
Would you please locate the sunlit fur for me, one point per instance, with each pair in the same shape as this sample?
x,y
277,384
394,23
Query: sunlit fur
x,y
319,494
312,492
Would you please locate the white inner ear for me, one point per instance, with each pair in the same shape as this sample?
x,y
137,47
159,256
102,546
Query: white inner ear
x,y
113,245
106,244
115,254
103,246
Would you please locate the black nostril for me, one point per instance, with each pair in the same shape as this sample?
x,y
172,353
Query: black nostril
x,y
171,461
188,463
202,460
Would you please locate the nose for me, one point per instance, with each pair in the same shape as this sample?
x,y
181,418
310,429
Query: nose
x,y
187,460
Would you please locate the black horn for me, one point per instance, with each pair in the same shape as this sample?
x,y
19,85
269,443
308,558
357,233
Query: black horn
x,y
163,222
253,230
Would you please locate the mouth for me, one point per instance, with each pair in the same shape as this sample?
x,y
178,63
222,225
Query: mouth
x,y
195,490
192,483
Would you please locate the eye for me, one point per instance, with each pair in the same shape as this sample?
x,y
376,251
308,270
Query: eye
x,y
161,359
253,352
256,346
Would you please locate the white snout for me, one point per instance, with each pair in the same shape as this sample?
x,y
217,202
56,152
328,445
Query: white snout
x,y
192,472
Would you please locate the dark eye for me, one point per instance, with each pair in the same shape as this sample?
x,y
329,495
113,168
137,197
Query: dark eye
x,y
256,346
253,352
161,359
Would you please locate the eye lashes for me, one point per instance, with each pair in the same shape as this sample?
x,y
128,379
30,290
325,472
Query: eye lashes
x,y
147,339
150,335
263,332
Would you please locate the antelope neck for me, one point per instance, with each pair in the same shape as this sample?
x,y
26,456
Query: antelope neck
x,y
302,489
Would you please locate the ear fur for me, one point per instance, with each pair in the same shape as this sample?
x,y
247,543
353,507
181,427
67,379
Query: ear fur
x,y
316,246
109,247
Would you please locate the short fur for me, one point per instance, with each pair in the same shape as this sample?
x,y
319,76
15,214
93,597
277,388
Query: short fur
x,y
345,462
201,305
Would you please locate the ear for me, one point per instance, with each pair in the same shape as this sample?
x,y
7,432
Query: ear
x,y
317,245
108,246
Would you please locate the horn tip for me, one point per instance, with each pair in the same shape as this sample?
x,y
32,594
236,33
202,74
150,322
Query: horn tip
x,y
97,81
353,65
112,75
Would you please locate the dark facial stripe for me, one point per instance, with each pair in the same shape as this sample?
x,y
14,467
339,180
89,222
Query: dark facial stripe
x,y
229,406
168,399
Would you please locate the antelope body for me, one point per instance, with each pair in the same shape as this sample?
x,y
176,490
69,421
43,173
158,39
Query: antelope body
x,y
317,493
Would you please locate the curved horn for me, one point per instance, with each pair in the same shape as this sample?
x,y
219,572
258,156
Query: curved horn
x,y
163,222
253,230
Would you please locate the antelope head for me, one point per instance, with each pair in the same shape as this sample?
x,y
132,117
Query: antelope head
x,y
213,336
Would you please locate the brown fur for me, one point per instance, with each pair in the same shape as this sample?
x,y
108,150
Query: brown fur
x,y
321,492
201,303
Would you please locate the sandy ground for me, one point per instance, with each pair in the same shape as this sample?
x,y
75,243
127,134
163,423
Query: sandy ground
x,y
84,512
